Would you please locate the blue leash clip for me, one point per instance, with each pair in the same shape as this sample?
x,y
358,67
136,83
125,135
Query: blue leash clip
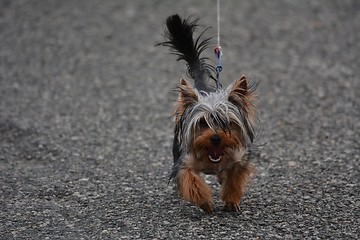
x,y
218,54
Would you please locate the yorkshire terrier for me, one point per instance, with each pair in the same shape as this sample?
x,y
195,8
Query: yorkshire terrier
x,y
214,128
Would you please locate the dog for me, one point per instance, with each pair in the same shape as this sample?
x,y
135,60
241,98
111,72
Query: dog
x,y
214,128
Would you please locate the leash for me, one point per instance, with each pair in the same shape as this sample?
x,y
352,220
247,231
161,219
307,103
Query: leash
x,y
217,49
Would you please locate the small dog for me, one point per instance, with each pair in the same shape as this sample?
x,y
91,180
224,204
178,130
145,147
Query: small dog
x,y
214,128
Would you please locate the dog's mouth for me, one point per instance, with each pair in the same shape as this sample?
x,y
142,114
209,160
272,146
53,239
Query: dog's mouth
x,y
215,154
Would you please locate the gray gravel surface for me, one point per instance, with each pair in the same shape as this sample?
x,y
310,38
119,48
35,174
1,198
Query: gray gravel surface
x,y
85,127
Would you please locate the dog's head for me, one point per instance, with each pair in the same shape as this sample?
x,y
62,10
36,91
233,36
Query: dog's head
x,y
211,125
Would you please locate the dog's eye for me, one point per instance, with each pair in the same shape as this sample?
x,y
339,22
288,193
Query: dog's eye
x,y
202,123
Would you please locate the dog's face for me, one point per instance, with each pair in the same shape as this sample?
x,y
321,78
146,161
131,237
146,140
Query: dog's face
x,y
212,145
212,125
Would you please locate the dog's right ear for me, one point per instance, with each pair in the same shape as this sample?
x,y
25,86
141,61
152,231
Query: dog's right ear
x,y
187,94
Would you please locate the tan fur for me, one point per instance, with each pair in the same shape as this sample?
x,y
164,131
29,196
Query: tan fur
x,y
233,174
242,96
233,170
233,181
186,97
201,161
194,189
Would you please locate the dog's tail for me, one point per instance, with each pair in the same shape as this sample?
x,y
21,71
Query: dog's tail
x,y
179,36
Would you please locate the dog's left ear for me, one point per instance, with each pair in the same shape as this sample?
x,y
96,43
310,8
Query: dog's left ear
x,y
239,91
243,96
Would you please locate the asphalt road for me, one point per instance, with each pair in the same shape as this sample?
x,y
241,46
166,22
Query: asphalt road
x,y
86,133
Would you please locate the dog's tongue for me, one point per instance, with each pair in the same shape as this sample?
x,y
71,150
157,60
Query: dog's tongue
x,y
215,154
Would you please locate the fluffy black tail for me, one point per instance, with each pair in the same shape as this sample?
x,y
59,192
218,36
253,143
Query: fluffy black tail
x,y
179,35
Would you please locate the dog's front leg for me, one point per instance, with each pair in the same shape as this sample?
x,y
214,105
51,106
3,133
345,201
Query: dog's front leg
x,y
233,183
193,188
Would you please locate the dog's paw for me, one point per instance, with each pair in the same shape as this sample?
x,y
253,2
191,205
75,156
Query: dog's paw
x,y
232,207
207,207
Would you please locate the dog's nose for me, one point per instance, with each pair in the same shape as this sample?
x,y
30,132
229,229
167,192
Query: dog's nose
x,y
215,140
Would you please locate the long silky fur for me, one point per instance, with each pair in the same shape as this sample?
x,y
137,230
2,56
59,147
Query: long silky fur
x,y
180,40
217,112
212,106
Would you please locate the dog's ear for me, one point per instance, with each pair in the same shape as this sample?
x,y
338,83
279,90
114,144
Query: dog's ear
x,y
239,91
187,94
243,96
